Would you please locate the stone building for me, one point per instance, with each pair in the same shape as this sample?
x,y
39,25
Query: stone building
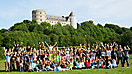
x,y
41,16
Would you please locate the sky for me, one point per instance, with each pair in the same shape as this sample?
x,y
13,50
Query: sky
x,y
118,12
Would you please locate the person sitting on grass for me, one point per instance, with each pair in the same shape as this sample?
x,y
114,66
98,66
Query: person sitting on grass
x,y
48,68
30,67
93,64
99,64
58,68
34,66
114,63
71,61
109,65
87,64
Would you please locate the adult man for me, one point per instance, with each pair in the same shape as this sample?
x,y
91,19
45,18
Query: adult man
x,y
126,55
17,46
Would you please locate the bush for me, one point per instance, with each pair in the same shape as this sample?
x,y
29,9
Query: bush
x,y
2,57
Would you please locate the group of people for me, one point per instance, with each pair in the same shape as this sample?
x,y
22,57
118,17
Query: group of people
x,y
51,58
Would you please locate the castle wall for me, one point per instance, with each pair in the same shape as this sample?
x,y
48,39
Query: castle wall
x,y
40,16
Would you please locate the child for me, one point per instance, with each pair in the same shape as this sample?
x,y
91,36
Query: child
x,y
21,66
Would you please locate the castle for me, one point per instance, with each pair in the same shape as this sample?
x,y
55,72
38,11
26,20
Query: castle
x,y
41,16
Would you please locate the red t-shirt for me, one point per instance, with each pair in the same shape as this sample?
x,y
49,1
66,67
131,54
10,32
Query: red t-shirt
x,y
87,64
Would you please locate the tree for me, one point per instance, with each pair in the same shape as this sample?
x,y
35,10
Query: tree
x,y
131,28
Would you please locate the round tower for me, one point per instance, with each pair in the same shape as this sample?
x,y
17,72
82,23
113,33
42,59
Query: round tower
x,y
73,20
39,15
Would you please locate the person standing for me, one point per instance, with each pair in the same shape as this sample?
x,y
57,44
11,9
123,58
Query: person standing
x,y
126,55
119,56
12,62
7,60
17,46
50,47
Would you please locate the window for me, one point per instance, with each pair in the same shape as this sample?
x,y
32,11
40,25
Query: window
x,y
40,16
40,19
34,13
40,12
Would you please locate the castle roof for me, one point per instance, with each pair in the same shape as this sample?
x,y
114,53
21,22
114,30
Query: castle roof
x,y
71,14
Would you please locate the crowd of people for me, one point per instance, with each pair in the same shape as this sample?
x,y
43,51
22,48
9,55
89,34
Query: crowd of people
x,y
51,58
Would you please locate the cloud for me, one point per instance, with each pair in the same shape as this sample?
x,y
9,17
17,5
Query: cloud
x,y
103,11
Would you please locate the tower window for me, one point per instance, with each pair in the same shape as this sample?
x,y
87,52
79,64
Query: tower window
x,y
40,16
40,12
40,19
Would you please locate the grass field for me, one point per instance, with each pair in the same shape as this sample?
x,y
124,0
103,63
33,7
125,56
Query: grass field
x,y
119,70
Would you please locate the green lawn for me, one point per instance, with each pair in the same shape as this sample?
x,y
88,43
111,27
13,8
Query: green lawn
x,y
119,70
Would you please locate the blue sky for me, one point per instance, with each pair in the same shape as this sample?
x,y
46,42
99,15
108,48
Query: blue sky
x,y
117,12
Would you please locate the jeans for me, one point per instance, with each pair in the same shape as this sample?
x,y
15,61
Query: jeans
x,y
125,58
120,58
21,69
12,66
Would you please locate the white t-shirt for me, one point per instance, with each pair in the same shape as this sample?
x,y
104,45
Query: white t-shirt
x,y
50,48
114,62
82,63
79,65
108,52
103,53
93,55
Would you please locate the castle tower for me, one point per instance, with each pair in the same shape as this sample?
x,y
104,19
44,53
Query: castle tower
x,y
39,15
73,20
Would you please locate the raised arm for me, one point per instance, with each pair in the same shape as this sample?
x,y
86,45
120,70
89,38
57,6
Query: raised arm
x,y
12,49
55,44
128,47
88,46
46,44
43,44
21,43
5,51
14,44
33,46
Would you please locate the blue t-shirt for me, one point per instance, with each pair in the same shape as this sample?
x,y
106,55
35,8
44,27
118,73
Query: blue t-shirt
x,y
7,58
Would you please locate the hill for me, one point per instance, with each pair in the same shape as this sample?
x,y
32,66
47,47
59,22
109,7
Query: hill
x,y
29,32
